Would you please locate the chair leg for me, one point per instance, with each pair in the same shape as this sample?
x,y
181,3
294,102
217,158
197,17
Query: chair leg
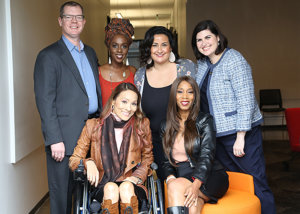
x,y
132,208
178,210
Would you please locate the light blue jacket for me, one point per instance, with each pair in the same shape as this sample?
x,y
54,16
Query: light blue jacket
x,y
230,93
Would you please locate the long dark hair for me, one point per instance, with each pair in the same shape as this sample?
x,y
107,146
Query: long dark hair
x,y
174,118
208,25
146,44
138,115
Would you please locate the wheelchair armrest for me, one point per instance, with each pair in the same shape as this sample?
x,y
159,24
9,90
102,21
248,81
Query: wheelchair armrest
x,y
78,174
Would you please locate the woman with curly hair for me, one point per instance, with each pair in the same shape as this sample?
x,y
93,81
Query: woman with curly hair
x,y
161,66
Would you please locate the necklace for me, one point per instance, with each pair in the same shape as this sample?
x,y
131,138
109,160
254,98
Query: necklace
x,y
111,88
110,79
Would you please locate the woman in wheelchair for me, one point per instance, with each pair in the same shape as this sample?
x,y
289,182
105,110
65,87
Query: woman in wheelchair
x,y
120,152
193,175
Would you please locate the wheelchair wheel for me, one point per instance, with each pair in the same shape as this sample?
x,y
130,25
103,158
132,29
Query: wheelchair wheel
x,y
82,199
155,196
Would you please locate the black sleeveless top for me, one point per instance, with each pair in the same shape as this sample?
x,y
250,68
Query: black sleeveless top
x,y
155,104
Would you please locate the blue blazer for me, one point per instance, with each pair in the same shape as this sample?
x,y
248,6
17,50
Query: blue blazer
x,y
230,93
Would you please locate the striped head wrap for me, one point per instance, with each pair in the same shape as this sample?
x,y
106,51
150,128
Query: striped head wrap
x,y
118,26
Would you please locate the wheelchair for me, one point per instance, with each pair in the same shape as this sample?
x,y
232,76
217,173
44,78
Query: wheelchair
x,y
84,204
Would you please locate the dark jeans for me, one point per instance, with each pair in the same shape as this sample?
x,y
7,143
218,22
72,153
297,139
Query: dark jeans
x,y
252,163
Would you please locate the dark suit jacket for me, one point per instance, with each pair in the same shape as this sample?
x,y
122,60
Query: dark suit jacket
x,y
60,94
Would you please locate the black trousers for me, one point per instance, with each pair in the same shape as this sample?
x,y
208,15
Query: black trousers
x,y
60,183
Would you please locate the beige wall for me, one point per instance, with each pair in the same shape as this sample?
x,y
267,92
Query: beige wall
x,y
266,32
96,12
179,23
139,33
33,26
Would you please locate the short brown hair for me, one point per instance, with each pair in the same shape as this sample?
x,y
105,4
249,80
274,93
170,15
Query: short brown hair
x,y
69,3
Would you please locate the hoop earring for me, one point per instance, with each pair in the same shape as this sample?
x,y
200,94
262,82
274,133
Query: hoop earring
x,y
112,107
172,57
109,60
127,62
149,61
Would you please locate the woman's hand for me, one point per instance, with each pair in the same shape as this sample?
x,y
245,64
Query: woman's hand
x,y
132,179
192,193
92,173
239,144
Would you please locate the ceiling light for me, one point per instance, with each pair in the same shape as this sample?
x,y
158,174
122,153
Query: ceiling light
x,y
119,15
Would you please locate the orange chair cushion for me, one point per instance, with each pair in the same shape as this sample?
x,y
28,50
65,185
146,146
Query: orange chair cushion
x,y
234,202
240,181
239,199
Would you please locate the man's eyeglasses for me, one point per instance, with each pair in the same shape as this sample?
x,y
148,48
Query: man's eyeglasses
x,y
78,18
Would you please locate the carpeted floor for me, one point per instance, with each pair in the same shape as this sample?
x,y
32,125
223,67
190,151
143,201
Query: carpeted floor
x,y
283,175
284,181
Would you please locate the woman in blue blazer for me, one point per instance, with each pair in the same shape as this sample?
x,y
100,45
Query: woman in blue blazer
x,y
227,93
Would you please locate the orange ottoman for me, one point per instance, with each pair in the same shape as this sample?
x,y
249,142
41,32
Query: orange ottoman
x,y
239,199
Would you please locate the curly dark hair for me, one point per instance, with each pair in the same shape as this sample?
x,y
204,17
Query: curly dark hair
x,y
208,25
146,44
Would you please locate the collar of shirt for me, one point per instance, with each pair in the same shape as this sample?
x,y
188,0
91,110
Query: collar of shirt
x,y
70,46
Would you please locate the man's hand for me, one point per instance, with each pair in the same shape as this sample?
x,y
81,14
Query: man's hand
x,y
58,151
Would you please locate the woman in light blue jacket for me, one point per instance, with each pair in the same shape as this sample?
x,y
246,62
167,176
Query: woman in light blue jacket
x,y
227,93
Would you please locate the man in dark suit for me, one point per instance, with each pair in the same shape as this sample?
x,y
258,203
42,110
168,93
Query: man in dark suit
x,y
67,93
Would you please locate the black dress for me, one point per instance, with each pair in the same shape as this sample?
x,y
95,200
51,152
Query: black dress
x,y
155,104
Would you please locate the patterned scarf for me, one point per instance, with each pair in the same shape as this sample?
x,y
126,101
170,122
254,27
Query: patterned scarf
x,y
114,163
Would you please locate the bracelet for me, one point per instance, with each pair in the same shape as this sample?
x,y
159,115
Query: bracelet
x,y
140,181
170,177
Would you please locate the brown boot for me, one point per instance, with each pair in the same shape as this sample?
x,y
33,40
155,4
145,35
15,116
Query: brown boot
x,y
132,208
112,208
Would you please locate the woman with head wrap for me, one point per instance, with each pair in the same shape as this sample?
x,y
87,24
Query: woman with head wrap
x,y
118,37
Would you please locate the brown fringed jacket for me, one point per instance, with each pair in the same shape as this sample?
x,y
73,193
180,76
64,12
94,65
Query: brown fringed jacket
x,y
138,160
